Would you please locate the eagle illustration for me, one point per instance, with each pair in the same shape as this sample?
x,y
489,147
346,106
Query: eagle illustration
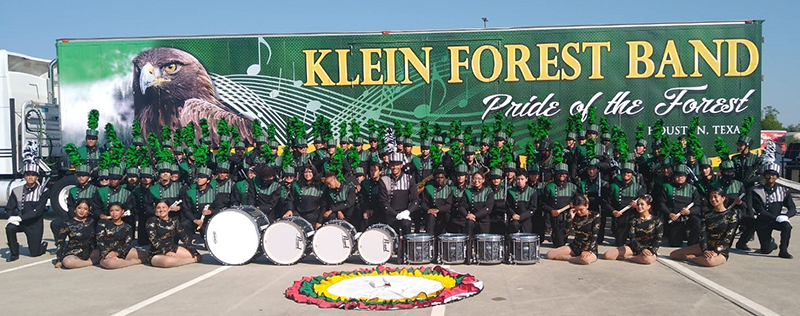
x,y
172,88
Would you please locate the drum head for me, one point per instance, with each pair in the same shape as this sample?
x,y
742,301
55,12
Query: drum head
x,y
232,237
375,246
284,242
332,244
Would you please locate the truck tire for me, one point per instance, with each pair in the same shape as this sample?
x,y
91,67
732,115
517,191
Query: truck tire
x,y
59,193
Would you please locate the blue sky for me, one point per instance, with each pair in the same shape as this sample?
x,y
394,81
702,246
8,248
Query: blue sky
x,y
31,27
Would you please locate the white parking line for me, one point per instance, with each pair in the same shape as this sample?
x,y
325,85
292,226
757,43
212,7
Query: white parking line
x,y
439,310
25,266
169,292
733,297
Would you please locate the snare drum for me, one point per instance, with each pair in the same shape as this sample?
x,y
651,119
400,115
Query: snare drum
x,y
489,248
452,248
418,248
333,242
233,235
377,244
523,248
287,240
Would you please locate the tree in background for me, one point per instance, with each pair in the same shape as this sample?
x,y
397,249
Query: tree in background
x,y
769,119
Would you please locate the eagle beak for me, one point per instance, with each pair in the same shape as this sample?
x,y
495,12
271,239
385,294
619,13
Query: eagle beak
x,y
150,77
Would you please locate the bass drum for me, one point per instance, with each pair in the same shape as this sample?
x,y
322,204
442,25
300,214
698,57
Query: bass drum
x,y
377,244
333,242
233,235
287,240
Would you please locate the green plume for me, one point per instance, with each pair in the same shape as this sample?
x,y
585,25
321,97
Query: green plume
x,y
620,141
257,131
468,135
111,133
142,157
486,131
371,126
116,153
131,159
355,129
408,131
286,157
558,152
574,123
353,158
436,156
692,141
166,133
658,130
424,130
437,130
722,149
266,153
591,148
72,153
137,129
105,161
495,157
337,162
746,126
455,128
342,129
677,154
397,126
223,129
204,130
592,115
499,120
189,135
508,154
235,136
604,127
640,131
533,130
509,129
666,146
94,118
271,132
153,144
224,152
530,153
456,153
201,155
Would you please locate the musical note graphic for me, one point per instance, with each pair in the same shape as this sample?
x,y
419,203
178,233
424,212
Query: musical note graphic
x,y
275,93
295,82
423,110
254,69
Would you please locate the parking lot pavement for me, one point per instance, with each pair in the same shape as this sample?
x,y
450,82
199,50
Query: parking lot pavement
x,y
31,286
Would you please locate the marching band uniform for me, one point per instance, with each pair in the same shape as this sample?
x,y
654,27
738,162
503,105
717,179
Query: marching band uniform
x,y
557,195
596,189
343,200
164,236
26,207
673,198
440,197
645,234
719,231
768,201
76,238
266,195
398,198
522,202
116,238
500,209
621,195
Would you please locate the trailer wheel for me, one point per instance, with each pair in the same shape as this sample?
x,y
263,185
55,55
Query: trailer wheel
x,y
59,193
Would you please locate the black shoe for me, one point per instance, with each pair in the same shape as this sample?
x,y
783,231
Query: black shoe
x,y
772,247
12,258
785,255
743,247
44,250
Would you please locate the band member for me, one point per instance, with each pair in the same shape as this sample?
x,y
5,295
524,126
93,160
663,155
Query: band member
x,y
436,201
370,195
114,241
26,207
307,200
83,190
556,201
500,189
265,194
768,200
596,189
198,200
720,224
706,177
645,231
117,194
398,196
76,240
225,190
423,165
340,199
583,249
168,190
745,162
164,233
475,207
90,153
523,204
285,201
623,194
683,206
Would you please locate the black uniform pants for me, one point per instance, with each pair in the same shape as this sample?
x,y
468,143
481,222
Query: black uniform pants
x,y
558,231
403,228
497,224
33,229
142,238
747,225
676,232
620,227
604,214
765,235
515,226
436,224
539,225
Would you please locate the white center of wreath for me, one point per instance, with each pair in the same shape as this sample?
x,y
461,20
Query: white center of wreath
x,y
385,287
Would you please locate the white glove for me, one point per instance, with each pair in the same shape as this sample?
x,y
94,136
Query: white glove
x,y
126,213
15,220
782,218
403,215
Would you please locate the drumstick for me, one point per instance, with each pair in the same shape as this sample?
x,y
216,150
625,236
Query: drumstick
x,y
622,211
202,218
687,207
176,203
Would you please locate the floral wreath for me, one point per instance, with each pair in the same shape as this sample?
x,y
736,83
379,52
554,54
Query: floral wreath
x,y
317,290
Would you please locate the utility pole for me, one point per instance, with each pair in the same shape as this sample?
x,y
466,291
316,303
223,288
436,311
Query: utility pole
x,y
484,22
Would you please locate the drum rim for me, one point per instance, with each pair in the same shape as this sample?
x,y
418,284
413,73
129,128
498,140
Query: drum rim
x,y
393,239
489,237
418,236
255,224
453,237
264,238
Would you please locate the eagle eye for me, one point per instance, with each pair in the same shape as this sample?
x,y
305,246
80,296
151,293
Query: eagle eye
x,y
170,68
